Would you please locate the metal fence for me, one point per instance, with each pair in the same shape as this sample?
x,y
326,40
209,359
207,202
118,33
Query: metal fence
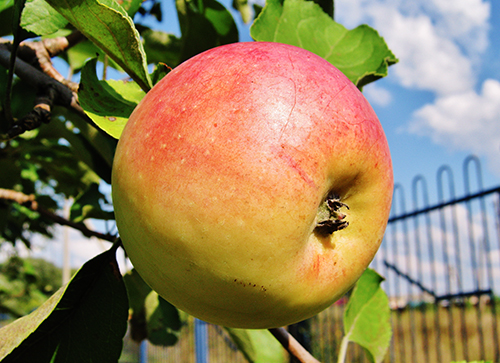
x,y
441,262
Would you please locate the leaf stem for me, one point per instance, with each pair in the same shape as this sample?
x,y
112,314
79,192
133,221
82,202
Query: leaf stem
x,y
343,349
293,346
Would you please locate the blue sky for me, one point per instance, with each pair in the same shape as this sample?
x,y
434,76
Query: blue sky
x,y
441,102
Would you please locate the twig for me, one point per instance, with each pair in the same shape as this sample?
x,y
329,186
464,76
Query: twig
x,y
293,346
62,94
30,202
48,48
41,113
35,77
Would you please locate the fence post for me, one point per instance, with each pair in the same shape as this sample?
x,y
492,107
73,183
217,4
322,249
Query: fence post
x,y
201,341
143,351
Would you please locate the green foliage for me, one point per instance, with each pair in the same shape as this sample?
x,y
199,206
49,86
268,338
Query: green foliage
x,y
244,8
152,317
25,284
161,47
41,18
361,54
162,320
61,327
108,103
38,163
367,318
109,27
258,346
6,14
89,205
71,157
204,24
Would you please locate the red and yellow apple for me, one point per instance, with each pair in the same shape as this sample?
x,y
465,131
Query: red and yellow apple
x,y
252,185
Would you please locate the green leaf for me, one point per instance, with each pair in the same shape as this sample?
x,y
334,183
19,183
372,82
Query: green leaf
x,y
56,163
19,33
244,8
6,15
88,205
162,319
162,47
137,290
204,24
361,54
131,6
109,26
80,53
41,18
81,149
367,317
100,141
258,346
85,320
108,103
160,71
11,173
6,4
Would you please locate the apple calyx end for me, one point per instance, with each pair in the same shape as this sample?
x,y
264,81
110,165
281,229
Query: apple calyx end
x,y
330,219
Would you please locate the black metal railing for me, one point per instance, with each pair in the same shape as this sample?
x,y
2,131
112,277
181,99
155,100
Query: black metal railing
x,y
441,262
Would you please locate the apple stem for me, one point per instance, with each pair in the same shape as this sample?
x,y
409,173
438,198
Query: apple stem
x,y
330,218
293,346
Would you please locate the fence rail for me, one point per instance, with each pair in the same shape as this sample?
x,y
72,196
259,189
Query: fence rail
x,y
441,262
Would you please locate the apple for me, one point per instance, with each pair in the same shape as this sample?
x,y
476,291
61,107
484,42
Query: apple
x,y
252,185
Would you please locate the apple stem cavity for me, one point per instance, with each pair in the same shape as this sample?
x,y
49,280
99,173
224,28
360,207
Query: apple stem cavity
x,y
329,218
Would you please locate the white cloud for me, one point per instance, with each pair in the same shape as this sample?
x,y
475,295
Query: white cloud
x,y
428,61
377,95
467,121
440,45
434,52
466,21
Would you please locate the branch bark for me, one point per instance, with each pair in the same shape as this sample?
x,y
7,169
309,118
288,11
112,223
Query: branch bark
x,y
36,77
292,346
60,93
44,50
30,202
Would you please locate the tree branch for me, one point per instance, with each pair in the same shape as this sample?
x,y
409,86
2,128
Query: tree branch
x,y
30,202
293,346
36,77
49,89
44,50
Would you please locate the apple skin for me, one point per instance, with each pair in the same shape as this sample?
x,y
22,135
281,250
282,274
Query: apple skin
x,y
219,174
